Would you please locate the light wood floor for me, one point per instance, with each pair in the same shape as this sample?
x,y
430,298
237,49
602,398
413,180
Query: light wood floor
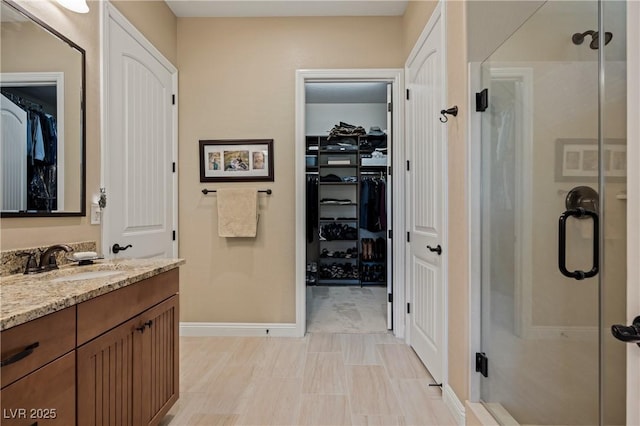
x,y
321,379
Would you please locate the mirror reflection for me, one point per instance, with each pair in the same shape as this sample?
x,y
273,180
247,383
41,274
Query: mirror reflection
x,y
42,119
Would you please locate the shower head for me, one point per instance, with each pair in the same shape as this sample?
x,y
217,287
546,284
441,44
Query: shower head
x,y
578,38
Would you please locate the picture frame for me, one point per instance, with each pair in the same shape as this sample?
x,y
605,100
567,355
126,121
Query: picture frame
x,y
236,160
576,160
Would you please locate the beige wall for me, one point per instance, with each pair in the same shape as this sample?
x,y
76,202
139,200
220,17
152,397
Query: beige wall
x,y
84,30
156,21
415,18
458,302
238,76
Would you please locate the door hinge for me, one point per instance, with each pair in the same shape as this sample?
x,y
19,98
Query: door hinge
x,y
482,100
408,237
173,99
390,233
407,94
389,107
408,308
408,165
482,364
390,297
389,171
174,235
174,167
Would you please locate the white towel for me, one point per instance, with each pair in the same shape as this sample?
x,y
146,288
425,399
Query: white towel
x,y
237,212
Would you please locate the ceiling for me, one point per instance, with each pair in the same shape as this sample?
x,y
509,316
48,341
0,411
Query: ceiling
x,y
271,8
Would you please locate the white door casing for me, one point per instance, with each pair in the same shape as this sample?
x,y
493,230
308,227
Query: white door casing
x,y
13,156
426,198
633,205
139,143
395,78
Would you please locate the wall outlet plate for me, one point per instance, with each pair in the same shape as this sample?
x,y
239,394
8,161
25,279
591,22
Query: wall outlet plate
x,y
96,214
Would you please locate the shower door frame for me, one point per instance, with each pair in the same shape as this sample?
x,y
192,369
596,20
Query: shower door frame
x,y
474,140
633,206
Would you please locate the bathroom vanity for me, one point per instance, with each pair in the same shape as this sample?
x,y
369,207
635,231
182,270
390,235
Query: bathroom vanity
x,y
90,345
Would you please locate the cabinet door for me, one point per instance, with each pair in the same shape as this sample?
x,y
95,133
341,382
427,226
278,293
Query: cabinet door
x,y
159,360
45,397
106,377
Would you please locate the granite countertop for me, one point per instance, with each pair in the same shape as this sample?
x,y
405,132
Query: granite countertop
x,y
26,297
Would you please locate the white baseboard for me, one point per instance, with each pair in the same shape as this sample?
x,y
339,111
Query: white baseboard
x,y
455,406
237,329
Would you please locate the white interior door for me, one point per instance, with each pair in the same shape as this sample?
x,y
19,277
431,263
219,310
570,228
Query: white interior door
x,y
139,144
426,176
13,156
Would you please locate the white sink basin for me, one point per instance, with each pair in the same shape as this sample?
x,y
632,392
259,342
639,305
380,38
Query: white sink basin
x,y
86,276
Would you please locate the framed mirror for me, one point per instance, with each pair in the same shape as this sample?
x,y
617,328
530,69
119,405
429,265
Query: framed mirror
x,y
42,141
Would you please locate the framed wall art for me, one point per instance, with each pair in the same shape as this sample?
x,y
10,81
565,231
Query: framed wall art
x,y
577,160
237,160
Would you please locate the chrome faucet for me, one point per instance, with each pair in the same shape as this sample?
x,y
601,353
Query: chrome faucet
x,y
48,259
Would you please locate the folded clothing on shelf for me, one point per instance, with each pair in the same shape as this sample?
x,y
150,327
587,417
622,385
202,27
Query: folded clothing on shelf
x,y
345,130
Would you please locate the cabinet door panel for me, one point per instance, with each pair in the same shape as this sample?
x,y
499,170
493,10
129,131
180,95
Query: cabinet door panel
x,y
54,334
45,397
106,378
160,385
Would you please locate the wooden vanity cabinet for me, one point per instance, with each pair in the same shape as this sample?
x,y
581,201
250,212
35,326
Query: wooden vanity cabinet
x,y
129,375
38,371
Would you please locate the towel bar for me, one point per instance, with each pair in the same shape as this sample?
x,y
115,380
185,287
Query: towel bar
x,y
266,191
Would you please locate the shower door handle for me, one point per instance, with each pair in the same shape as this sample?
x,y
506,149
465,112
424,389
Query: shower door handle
x,y
628,334
562,243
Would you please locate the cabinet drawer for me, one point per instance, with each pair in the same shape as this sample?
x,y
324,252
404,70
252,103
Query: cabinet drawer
x,y
54,334
45,397
105,312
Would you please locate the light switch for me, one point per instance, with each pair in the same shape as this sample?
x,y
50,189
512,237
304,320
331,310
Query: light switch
x,y
96,214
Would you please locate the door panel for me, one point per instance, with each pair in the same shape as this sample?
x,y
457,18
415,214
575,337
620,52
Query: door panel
x,y
106,379
13,178
139,148
425,196
549,137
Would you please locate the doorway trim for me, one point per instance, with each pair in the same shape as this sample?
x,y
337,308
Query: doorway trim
x,y
396,78
633,204
109,12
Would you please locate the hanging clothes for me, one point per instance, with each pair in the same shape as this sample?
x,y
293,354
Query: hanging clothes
x,y
41,155
373,207
312,205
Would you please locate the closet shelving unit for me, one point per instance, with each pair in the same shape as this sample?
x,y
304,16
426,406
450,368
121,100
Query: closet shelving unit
x,y
346,253
338,221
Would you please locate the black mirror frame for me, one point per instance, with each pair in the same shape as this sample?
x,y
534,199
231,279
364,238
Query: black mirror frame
x,y
83,144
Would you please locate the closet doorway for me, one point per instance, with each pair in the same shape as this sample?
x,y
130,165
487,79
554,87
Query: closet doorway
x,y
348,140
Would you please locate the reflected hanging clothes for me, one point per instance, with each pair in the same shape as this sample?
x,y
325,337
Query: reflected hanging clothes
x,y
312,206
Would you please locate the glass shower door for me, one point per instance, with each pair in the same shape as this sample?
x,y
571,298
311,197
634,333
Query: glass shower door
x,y
543,221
